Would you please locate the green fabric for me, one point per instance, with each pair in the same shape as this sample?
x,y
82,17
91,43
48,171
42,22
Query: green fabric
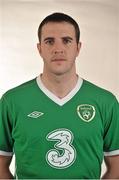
x,y
58,142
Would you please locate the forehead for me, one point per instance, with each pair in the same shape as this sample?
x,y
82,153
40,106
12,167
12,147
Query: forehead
x,y
58,28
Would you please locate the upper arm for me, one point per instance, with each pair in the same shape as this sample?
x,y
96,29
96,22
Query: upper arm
x,y
4,167
6,128
111,130
112,164
5,161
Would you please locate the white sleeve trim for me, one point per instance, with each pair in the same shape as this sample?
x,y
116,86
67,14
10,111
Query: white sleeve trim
x,y
4,153
112,153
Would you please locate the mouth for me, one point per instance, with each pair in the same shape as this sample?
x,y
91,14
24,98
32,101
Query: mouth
x,y
58,60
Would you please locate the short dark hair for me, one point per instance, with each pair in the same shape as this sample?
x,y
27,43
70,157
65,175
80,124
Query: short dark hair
x,y
59,17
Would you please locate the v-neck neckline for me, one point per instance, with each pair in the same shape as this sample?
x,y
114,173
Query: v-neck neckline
x,y
53,97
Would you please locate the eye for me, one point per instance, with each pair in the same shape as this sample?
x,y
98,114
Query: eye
x,y
49,42
66,41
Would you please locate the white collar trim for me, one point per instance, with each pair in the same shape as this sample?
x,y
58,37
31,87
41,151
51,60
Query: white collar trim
x,y
53,97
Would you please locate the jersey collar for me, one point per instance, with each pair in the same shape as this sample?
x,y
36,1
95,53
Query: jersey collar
x,y
53,97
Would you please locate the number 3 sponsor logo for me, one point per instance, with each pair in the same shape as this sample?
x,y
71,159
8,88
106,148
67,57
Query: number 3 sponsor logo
x,y
64,154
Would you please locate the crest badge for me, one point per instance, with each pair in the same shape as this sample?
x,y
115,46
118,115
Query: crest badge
x,y
86,112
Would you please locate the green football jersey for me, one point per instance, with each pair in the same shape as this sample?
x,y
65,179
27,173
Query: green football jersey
x,y
55,138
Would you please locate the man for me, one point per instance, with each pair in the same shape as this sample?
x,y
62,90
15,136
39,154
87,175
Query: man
x,y
58,125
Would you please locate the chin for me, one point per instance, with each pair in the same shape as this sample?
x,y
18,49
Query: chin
x,y
59,73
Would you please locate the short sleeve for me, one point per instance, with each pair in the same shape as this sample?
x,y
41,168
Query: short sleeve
x,y
111,132
6,141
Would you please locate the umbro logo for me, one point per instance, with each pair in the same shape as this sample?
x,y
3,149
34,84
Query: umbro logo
x,y
35,114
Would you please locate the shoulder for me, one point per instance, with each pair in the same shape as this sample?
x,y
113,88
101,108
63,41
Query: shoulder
x,y
98,93
22,89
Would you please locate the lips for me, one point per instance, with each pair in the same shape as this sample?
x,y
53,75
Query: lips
x,y
58,59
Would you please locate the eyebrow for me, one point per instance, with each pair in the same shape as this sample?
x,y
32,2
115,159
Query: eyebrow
x,y
52,38
48,38
67,37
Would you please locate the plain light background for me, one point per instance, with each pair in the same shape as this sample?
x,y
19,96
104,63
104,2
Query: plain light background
x,y
98,61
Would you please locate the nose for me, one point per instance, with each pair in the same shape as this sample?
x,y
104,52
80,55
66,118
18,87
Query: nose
x,y
58,48
58,51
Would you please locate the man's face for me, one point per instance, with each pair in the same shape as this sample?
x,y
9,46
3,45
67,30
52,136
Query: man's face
x,y
58,47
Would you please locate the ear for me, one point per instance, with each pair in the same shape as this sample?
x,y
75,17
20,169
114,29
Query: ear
x,y
39,48
78,48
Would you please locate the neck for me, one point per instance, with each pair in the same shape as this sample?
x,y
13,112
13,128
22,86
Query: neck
x,y
60,85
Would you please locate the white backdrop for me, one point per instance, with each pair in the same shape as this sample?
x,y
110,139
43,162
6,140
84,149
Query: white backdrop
x,y
99,23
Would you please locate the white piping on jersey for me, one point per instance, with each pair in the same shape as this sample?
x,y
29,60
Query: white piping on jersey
x,y
4,153
112,153
53,97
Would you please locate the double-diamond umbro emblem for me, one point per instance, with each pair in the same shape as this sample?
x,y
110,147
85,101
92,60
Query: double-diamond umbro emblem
x,y
35,114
